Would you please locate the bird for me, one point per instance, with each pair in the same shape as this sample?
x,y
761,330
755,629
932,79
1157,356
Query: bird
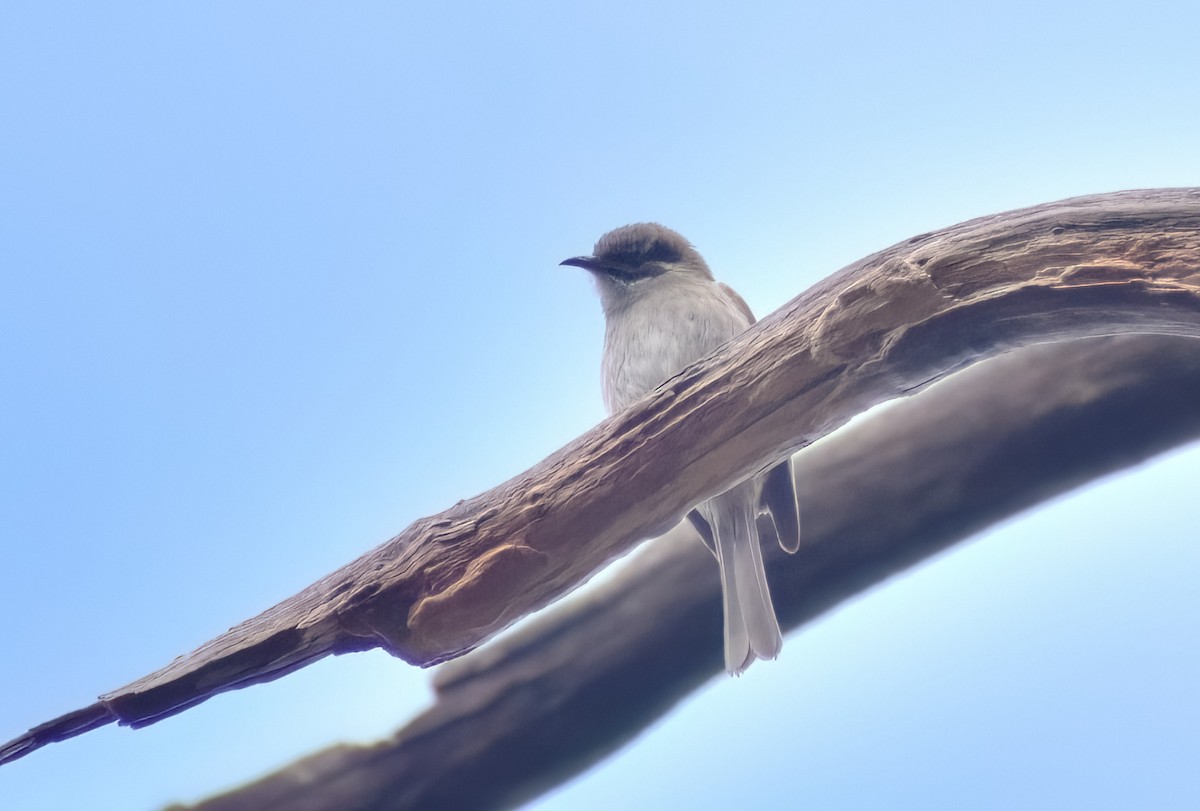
x,y
664,310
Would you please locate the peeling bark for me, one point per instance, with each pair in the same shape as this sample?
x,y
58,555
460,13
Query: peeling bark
x,y
534,708
888,325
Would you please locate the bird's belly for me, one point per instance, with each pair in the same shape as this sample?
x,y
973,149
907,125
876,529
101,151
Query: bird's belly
x,y
630,375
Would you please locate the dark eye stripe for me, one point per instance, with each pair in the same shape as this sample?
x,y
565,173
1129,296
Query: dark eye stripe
x,y
660,251
640,252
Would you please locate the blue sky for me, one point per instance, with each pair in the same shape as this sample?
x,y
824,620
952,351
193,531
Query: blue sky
x,y
277,279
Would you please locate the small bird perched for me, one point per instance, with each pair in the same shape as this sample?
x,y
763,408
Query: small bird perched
x,y
663,311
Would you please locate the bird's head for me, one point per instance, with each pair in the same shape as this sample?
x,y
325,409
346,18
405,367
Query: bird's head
x,y
634,253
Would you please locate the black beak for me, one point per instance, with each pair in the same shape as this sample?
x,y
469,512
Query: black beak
x,y
585,262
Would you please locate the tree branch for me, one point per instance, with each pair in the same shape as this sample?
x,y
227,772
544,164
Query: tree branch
x,y
888,325
535,708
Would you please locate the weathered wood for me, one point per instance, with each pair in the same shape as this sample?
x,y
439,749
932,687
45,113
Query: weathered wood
x,y
532,709
886,326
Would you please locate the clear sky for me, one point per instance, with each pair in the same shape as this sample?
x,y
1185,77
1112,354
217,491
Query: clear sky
x,y
277,279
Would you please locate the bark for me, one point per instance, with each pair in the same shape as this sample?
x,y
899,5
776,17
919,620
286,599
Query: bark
x,y
886,326
536,707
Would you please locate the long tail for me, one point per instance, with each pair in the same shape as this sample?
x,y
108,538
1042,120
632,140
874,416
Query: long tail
x,y
751,630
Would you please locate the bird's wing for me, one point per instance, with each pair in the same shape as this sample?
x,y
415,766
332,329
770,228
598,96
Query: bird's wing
x,y
738,302
779,487
703,529
779,499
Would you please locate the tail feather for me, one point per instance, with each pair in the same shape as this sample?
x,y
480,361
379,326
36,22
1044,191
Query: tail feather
x,y
751,630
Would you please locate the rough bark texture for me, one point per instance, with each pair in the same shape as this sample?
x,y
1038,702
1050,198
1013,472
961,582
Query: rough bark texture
x,y
886,326
534,708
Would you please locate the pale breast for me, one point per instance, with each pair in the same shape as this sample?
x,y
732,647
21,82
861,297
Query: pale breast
x,y
657,335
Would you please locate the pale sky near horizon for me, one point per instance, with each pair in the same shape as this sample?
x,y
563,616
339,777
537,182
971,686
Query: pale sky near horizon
x,y
278,279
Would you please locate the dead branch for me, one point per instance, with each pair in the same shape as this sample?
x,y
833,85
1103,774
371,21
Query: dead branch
x,y
532,709
886,326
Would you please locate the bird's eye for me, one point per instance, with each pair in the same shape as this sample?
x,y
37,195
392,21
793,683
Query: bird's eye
x,y
659,251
